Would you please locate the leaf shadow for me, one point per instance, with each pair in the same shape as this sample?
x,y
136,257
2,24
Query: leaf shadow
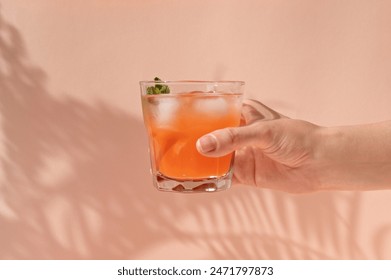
x,y
74,184
74,179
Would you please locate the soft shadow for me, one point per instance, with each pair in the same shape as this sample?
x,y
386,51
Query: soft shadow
x,y
74,180
273,225
75,184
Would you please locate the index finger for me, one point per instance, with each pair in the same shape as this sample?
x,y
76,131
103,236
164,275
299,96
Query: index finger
x,y
254,110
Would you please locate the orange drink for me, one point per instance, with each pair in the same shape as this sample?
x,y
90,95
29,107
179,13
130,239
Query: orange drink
x,y
176,120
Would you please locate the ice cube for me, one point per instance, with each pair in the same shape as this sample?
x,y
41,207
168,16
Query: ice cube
x,y
211,104
165,110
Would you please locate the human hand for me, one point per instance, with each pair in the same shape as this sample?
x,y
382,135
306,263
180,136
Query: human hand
x,y
272,151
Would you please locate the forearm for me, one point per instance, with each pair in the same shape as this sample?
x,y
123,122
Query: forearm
x,y
354,157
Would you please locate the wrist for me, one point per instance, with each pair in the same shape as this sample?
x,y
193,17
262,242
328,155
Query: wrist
x,y
353,157
329,157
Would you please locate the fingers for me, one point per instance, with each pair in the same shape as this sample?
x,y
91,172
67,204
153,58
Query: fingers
x,y
254,110
256,131
227,140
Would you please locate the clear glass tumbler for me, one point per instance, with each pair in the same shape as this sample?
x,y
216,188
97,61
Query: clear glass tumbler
x,y
176,114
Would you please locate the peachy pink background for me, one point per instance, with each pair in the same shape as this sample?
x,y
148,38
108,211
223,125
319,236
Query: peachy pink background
x,y
74,170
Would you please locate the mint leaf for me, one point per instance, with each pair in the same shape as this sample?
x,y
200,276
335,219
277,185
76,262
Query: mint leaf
x,y
158,88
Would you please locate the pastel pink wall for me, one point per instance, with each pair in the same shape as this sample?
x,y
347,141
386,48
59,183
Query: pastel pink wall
x,y
74,170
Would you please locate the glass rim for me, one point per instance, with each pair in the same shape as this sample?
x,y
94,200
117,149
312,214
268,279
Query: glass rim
x,y
198,82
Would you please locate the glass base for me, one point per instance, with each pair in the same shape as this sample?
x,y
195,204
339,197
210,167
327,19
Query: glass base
x,y
212,184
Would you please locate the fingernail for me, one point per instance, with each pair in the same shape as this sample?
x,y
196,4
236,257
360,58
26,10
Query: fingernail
x,y
207,143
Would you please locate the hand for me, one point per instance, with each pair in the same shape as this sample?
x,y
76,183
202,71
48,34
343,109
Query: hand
x,y
272,151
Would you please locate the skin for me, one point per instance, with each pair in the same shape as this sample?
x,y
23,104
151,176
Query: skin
x,y
276,152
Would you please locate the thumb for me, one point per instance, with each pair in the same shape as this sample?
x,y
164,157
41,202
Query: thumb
x,y
224,141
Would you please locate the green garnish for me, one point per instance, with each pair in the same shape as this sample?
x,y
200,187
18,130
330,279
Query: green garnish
x,y
158,88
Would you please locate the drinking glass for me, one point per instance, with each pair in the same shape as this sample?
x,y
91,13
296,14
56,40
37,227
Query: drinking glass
x,y
176,118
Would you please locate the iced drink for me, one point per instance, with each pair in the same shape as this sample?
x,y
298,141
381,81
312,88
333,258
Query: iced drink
x,y
176,120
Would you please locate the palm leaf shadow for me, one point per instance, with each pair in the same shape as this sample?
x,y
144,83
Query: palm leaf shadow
x,y
104,207
74,175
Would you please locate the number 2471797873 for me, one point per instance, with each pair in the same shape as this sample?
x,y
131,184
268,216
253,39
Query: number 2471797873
x,y
241,270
